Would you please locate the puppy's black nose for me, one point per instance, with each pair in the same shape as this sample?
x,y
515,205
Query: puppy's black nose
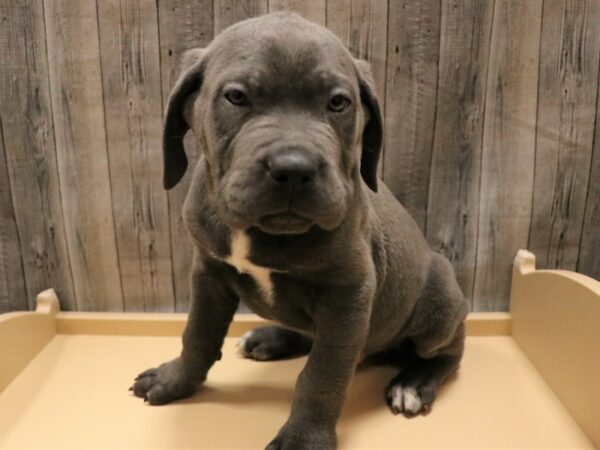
x,y
291,167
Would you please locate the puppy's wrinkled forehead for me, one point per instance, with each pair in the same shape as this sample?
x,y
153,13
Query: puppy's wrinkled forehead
x,y
282,54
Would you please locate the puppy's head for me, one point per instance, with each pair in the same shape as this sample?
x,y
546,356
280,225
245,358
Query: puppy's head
x,y
287,119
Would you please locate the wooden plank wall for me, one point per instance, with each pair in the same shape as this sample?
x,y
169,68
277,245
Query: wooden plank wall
x,y
492,139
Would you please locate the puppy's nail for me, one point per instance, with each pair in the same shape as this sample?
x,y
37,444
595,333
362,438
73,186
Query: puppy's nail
x,y
131,388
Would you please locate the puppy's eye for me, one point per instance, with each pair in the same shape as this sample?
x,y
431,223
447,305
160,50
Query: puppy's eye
x,y
237,97
338,103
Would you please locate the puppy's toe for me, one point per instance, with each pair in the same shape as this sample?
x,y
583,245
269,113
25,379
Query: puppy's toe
x,y
272,342
161,385
410,400
252,346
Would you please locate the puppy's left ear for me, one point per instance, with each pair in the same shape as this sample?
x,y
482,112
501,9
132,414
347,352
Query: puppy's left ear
x,y
372,138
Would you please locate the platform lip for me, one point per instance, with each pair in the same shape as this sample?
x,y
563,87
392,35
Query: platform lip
x,y
172,324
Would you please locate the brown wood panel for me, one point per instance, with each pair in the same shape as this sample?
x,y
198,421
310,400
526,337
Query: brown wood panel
x,y
313,10
362,27
228,12
129,53
76,87
13,292
568,87
589,251
508,149
411,86
26,115
456,158
183,25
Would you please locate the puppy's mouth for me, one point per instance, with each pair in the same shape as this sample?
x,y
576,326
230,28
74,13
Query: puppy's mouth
x,y
286,222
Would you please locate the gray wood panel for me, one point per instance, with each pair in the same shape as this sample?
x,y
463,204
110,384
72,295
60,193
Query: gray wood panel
x,y
456,157
491,141
589,256
314,10
77,105
13,292
411,87
228,12
129,54
508,149
362,27
567,92
183,25
26,115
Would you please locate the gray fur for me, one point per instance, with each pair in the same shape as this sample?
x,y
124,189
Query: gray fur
x,y
352,273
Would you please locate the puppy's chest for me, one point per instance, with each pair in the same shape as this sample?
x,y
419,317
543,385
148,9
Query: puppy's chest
x,y
239,258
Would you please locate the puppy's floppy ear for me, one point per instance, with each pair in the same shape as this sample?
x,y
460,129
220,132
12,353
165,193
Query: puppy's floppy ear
x,y
176,126
372,138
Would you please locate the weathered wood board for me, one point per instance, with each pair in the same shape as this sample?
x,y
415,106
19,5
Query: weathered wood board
x,y
491,137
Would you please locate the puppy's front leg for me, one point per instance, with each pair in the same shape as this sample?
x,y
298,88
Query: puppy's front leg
x,y
340,335
213,307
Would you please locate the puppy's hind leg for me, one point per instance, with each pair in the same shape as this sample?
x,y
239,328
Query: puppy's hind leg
x,y
413,390
273,342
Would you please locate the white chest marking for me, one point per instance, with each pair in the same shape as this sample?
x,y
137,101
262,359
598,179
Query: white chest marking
x,y
240,247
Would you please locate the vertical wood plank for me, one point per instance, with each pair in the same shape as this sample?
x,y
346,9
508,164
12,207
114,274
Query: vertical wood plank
x,y
589,251
313,10
362,27
129,53
183,25
568,87
411,86
31,165
13,292
456,158
76,87
228,12
508,148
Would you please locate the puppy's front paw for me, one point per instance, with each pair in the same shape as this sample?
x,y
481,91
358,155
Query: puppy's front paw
x,y
305,437
163,384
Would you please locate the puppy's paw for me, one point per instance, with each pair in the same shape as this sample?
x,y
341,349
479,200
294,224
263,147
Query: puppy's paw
x,y
272,342
410,399
163,384
306,437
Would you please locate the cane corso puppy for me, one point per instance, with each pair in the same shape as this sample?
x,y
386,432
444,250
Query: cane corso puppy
x,y
286,213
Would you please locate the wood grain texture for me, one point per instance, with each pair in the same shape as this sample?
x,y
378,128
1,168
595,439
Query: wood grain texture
x,y
589,255
26,115
508,149
567,92
362,27
183,25
76,86
456,157
129,53
313,10
411,86
491,142
13,292
228,12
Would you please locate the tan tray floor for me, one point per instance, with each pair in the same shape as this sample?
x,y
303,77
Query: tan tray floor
x,y
73,395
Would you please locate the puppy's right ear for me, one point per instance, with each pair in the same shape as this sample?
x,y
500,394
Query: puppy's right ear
x,y
176,126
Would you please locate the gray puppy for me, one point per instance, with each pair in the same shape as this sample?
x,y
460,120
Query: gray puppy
x,y
285,214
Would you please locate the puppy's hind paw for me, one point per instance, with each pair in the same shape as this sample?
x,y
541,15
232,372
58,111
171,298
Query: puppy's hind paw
x,y
272,342
410,400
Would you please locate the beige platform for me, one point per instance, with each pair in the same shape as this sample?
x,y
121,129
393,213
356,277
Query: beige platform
x,y
529,379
